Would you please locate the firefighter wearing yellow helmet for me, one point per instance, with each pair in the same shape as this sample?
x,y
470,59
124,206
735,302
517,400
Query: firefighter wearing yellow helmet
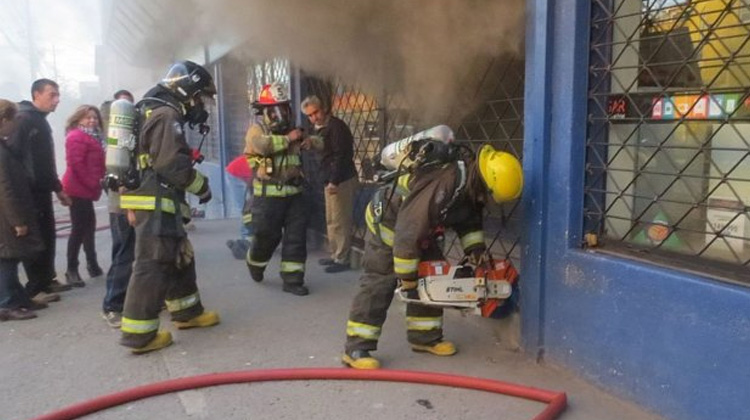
x,y
277,211
405,221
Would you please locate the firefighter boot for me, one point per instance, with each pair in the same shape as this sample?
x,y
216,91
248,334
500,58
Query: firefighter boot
x,y
206,319
162,339
360,359
296,289
442,348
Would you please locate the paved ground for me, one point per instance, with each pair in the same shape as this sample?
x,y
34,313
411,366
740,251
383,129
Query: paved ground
x,y
69,354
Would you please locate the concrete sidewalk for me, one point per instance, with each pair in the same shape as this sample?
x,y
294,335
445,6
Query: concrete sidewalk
x,y
69,355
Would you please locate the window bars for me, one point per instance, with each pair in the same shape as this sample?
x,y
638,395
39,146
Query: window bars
x,y
668,145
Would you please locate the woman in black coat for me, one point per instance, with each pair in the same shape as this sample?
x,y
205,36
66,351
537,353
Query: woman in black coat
x,y
19,233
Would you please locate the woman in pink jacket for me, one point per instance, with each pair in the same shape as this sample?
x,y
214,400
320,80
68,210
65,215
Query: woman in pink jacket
x,y
84,155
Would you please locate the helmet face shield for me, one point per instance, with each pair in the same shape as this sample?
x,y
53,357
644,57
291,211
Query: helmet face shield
x,y
187,79
278,118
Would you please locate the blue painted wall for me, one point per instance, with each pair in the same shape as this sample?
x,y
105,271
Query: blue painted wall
x,y
670,341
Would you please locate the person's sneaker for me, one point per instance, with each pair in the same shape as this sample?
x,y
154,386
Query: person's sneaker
x,y
360,359
44,297
296,289
36,306
443,348
74,279
326,261
94,270
56,287
256,273
114,319
206,319
18,314
337,268
162,339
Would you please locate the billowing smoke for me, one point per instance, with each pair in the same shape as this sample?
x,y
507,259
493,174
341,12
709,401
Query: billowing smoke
x,y
422,49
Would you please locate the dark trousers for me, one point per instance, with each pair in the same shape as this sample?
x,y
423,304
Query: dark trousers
x,y
280,219
123,255
156,279
83,228
12,294
370,306
40,269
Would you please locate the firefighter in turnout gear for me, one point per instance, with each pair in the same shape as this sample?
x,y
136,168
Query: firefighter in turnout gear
x,y
164,267
405,222
273,149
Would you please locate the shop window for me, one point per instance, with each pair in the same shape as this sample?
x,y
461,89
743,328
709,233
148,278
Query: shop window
x,y
668,147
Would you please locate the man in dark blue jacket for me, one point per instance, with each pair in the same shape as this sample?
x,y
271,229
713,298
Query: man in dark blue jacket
x,y
35,134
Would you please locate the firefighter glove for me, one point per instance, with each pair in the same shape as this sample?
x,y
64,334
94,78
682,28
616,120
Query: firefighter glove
x,y
205,197
478,257
408,284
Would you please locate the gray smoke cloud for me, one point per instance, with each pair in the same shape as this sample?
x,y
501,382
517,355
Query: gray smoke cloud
x,y
424,50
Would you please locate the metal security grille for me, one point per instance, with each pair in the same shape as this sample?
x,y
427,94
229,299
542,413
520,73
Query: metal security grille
x,y
668,173
496,117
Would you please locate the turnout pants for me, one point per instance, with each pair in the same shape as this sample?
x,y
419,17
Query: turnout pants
x,y
424,324
280,219
156,279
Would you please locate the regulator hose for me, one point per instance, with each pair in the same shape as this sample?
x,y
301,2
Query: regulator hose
x,y
556,401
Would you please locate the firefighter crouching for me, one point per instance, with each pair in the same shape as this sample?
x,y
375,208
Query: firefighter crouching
x,y
164,267
403,225
278,213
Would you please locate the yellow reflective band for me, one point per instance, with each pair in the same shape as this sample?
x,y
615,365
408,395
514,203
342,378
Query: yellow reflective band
x,y
197,183
387,235
471,239
186,302
255,263
370,219
247,218
144,161
415,323
405,266
145,202
134,326
402,185
273,190
255,161
292,267
293,160
356,329
279,143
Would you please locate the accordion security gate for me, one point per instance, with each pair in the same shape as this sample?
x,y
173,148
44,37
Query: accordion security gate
x,y
668,166
377,119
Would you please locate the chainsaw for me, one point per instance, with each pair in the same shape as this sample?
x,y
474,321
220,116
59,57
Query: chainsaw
x,y
482,290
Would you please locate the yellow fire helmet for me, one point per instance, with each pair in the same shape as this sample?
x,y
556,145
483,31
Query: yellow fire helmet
x,y
501,172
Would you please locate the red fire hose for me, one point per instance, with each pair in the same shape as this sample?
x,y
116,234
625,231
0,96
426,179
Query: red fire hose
x,y
556,401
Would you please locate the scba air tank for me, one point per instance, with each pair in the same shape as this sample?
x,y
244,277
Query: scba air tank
x,y
121,139
396,155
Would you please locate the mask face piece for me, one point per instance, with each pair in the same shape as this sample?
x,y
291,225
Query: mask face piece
x,y
278,118
196,113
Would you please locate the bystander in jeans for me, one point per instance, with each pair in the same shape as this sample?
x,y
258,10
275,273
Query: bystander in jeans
x,y
240,180
123,245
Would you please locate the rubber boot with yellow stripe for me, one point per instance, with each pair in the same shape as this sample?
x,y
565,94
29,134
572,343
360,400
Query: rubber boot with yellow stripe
x,y
206,319
360,359
443,348
161,340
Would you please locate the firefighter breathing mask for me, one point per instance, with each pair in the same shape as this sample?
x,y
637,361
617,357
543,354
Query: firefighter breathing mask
x,y
501,173
273,106
278,118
